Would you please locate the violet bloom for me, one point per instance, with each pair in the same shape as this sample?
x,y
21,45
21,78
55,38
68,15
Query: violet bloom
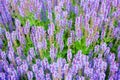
x,y
113,67
118,48
38,62
111,58
53,52
69,55
17,23
78,33
7,35
26,29
30,75
103,46
61,45
35,68
11,56
107,51
88,42
2,76
13,35
59,62
29,58
18,61
69,76
51,29
47,76
39,45
69,41
3,55
25,66
44,43
44,63
69,24
102,76
97,49
119,56
31,52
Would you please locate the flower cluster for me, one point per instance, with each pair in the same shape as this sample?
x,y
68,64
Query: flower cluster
x,y
60,40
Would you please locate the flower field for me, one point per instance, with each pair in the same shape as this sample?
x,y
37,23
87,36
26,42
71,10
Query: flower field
x,y
59,39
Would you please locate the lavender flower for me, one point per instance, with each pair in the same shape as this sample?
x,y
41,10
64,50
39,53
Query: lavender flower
x,y
53,52
18,61
69,55
35,68
51,29
66,23
32,53
69,41
27,27
30,75
2,76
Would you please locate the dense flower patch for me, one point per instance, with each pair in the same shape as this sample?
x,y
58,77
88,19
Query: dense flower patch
x,y
59,39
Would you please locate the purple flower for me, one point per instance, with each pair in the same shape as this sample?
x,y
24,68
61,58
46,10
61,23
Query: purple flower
x,y
29,58
30,75
102,76
103,46
118,48
13,35
88,71
69,41
40,74
69,76
2,76
38,62
11,77
47,76
3,55
27,27
115,3
31,52
69,23
50,16
103,66
119,56
51,29
35,68
78,33
24,66
39,45
76,10
111,58
59,62
17,23
21,11
7,35
44,43
53,52
88,41
18,61
1,43
107,51
19,50
69,55
11,56
74,69
65,13
103,34
44,63
61,45
65,68
97,48
113,68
